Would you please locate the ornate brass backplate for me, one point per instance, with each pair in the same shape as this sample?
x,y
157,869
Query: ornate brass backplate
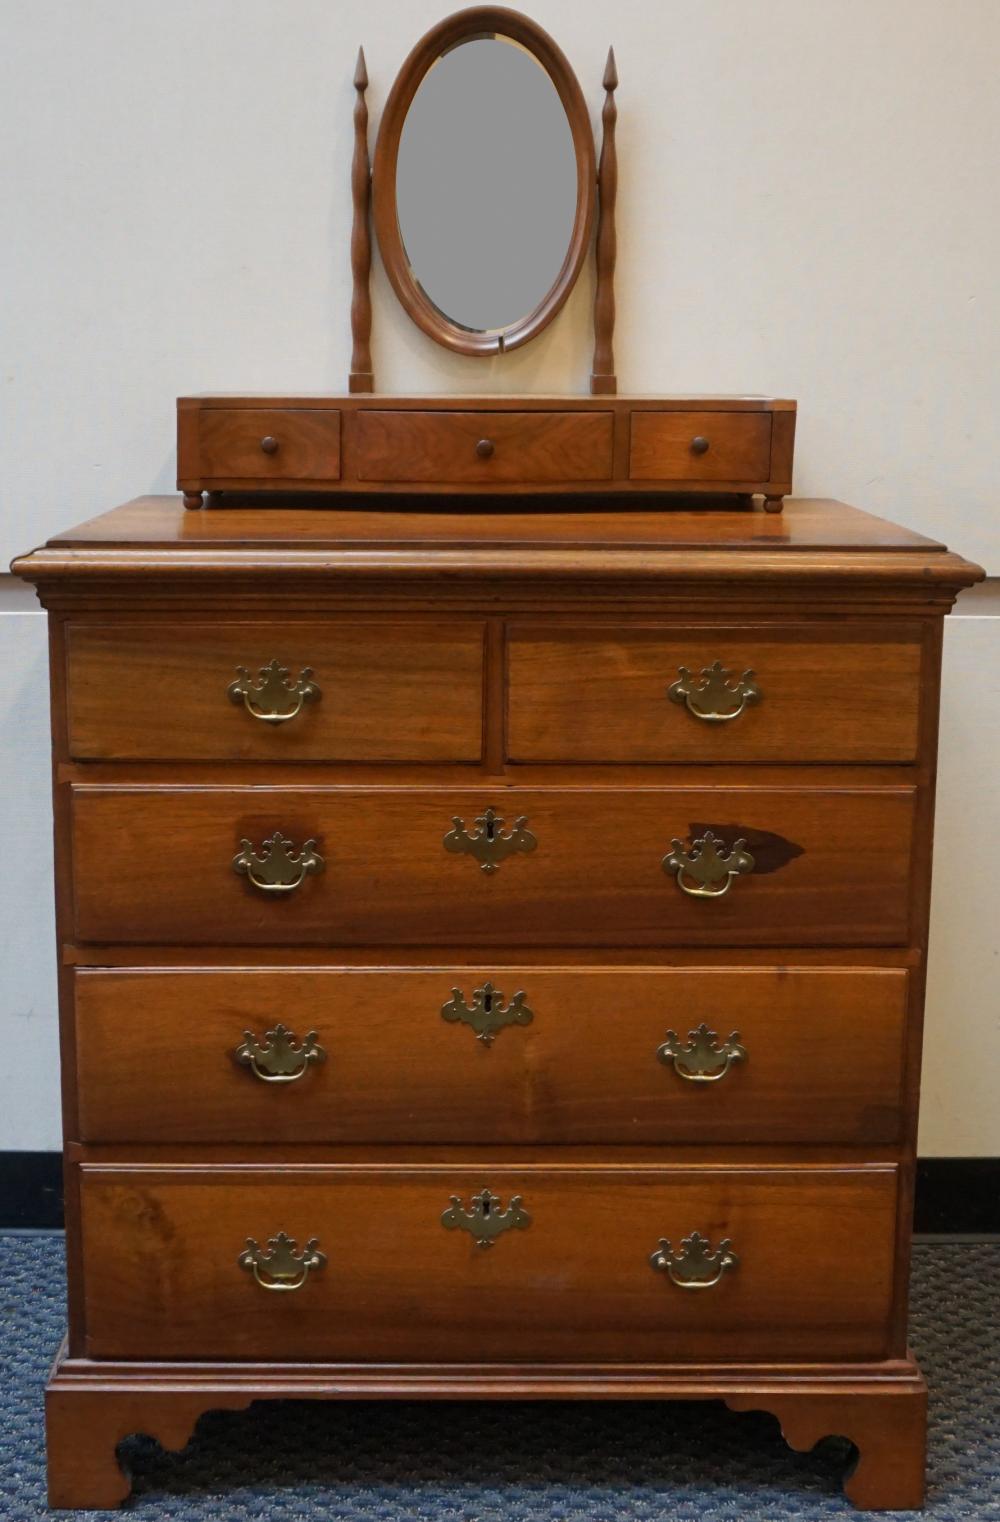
x,y
273,697
702,1058
484,1220
714,696
278,1266
487,1013
277,867
279,1058
488,844
696,1266
707,870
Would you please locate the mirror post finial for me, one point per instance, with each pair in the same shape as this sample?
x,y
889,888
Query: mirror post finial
x,y
361,377
603,381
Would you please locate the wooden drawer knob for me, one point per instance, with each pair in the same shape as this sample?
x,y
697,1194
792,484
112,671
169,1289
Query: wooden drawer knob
x,y
485,448
269,444
699,444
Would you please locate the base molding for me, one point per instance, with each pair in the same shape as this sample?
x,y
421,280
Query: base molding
x,y
91,1407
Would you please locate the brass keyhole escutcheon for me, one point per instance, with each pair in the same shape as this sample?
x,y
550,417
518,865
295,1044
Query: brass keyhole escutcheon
x,y
484,1218
487,1014
488,844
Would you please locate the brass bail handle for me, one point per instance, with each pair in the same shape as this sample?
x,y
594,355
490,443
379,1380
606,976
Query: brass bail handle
x,y
702,1058
707,869
272,697
696,1265
277,867
278,1266
279,1058
716,696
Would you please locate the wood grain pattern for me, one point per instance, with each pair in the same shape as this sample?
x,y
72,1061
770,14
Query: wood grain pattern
x,y
739,446
829,692
524,447
823,1056
160,1251
306,440
155,865
390,690
603,381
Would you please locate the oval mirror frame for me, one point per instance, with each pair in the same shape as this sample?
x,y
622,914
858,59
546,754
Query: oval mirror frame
x,y
466,26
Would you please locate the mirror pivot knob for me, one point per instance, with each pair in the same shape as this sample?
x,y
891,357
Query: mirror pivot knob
x,y
699,444
269,444
484,448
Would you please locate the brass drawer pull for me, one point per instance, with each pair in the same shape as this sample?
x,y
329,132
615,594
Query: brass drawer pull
x,y
279,1058
276,868
484,1220
701,1059
489,845
278,1266
695,1266
706,871
273,697
487,1014
714,696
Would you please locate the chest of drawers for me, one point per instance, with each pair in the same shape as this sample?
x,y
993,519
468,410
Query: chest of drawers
x,y
491,952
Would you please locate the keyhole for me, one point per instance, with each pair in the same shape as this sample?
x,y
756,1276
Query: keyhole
x,y
490,829
488,1001
486,1205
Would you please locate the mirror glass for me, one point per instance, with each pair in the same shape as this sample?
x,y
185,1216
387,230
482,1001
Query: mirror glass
x,y
486,184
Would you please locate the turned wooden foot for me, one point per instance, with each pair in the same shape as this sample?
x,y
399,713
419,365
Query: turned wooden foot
x,y
888,1427
84,1427
773,504
192,499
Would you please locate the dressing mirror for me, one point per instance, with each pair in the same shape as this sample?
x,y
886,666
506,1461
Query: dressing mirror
x,y
484,190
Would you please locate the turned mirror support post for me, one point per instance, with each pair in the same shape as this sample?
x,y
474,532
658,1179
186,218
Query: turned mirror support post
x,y
361,376
603,381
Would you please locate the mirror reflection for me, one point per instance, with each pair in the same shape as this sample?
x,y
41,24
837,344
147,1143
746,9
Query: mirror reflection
x,y
486,184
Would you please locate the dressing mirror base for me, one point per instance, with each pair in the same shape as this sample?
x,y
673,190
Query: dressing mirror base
x,y
651,447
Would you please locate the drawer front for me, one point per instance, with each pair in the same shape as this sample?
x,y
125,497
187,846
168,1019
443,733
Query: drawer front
x,y
790,1055
366,691
575,1281
808,693
700,446
156,864
269,444
480,448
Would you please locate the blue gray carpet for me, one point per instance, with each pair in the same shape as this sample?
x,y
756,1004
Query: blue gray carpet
x,y
560,1462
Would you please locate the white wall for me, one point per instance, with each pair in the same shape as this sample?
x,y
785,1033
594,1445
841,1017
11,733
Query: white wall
x,y
807,207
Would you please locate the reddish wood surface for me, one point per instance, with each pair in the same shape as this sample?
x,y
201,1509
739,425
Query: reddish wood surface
x,y
162,1280
739,446
828,692
155,865
603,381
306,444
389,691
522,446
822,1063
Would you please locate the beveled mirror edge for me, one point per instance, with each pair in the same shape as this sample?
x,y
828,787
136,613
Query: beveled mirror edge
x,y
464,26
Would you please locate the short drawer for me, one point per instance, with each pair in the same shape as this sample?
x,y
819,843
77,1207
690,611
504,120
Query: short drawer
x,y
813,692
480,448
262,444
415,866
600,1266
727,447
495,1053
275,691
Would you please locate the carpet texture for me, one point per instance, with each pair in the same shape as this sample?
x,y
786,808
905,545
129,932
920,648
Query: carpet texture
x,y
544,1462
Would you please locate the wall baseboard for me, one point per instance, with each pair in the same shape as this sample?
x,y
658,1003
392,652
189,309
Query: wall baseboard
x,y
955,1195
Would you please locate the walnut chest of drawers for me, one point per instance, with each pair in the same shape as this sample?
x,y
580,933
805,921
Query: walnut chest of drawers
x,y
491,949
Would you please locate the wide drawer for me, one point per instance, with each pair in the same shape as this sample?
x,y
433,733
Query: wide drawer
x,y
268,444
477,448
808,693
159,864
733,447
370,690
491,1054
575,1282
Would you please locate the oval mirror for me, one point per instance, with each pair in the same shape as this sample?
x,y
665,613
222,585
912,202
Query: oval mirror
x,y
484,181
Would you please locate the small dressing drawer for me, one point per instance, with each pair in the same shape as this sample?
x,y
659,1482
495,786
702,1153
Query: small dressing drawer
x,y
484,448
726,447
261,444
